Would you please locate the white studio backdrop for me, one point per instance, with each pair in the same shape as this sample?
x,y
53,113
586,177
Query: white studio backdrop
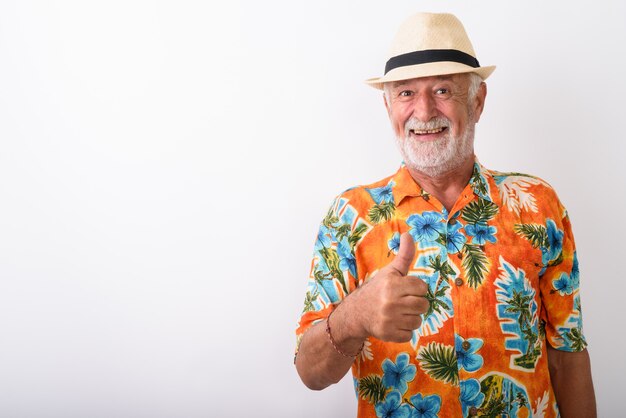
x,y
164,167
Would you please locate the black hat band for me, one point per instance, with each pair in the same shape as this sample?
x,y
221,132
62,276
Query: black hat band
x,y
431,55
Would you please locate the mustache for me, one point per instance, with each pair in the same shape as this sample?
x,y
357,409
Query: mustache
x,y
415,124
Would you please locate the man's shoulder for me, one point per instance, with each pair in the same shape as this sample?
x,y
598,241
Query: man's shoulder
x,y
514,179
369,193
521,191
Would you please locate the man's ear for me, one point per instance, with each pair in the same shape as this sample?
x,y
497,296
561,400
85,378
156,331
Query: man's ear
x,y
387,105
479,101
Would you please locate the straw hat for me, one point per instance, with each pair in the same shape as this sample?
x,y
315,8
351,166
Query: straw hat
x,y
429,44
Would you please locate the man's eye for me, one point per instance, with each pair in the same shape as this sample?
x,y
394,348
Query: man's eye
x,y
405,93
442,91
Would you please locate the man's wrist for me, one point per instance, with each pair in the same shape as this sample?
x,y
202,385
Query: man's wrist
x,y
344,330
334,343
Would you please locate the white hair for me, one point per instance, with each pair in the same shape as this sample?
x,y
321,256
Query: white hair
x,y
435,158
474,84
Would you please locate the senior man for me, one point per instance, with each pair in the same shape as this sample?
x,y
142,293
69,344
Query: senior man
x,y
450,290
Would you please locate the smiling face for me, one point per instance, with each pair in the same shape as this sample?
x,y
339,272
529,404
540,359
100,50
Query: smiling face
x,y
433,119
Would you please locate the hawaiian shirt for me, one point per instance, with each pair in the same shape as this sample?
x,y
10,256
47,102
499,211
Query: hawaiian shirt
x,y
503,282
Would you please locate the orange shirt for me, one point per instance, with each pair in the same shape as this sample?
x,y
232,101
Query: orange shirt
x,y
503,281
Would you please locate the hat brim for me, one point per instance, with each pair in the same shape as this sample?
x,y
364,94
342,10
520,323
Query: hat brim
x,y
428,70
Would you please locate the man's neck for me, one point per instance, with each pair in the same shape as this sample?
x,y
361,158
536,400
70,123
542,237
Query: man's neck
x,y
448,187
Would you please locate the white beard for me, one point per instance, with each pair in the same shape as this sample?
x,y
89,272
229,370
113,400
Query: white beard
x,y
435,158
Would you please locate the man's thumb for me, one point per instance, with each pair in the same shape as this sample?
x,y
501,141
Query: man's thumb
x,y
406,251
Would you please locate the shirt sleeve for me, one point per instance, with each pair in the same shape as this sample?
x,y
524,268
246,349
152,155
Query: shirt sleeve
x,y
559,284
333,268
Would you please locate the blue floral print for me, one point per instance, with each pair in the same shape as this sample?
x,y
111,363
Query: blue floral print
x,y
467,358
455,239
382,194
481,233
396,375
575,277
555,243
346,258
425,407
323,238
426,227
563,284
392,407
470,395
394,243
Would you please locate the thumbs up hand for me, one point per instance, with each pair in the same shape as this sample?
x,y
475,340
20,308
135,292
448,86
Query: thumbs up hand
x,y
389,305
406,252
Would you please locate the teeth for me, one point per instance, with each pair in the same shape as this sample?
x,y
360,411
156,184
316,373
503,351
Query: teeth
x,y
430,131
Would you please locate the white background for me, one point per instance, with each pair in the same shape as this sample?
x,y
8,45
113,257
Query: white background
x,y
164,167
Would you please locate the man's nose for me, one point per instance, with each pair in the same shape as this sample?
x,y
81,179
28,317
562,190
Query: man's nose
x,y
424,107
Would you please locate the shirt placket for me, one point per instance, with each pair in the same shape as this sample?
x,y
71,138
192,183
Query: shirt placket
x,y
460,289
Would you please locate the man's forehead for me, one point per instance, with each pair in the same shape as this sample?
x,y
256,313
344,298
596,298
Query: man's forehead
x,y
457,78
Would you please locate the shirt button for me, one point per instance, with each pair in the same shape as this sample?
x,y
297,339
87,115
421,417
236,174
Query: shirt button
x,y
452,221
458,281
465,345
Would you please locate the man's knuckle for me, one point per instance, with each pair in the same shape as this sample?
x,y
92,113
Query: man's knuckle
x,y
424,305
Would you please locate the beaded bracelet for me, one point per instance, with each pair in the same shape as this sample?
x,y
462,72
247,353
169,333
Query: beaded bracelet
x,y
332,341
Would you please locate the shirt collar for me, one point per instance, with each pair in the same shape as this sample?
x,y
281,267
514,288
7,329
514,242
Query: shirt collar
x,y
481,183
